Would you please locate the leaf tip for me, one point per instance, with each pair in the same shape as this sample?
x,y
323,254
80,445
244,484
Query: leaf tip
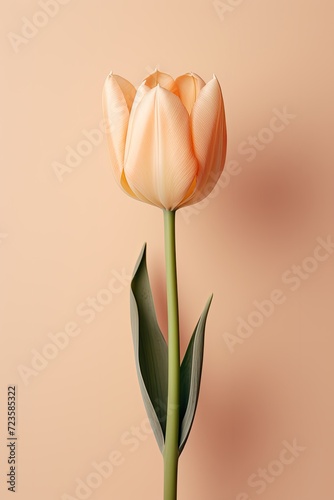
x,y
141,258
209,301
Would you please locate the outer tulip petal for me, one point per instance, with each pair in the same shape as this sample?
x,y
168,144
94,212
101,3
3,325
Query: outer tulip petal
x,y
162,79
209,137
118,95
189,86
160,165
141,91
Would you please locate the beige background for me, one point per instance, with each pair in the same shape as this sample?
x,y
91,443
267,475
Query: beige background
x,y
62,242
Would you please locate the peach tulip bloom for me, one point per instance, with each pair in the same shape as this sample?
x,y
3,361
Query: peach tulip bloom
x,y
167,139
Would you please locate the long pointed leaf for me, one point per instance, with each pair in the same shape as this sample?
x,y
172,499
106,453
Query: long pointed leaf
x,y
151,351
191,371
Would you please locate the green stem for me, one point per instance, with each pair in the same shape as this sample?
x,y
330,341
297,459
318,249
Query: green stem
x,y
171,451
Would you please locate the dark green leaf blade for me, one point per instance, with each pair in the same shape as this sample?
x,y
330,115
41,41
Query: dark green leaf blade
x,y
190,377
151,351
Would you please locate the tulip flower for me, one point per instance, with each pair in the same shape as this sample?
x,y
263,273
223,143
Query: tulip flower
x,y
167,139
167,143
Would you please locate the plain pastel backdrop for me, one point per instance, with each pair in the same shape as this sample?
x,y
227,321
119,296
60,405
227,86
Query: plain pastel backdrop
x,y
67,235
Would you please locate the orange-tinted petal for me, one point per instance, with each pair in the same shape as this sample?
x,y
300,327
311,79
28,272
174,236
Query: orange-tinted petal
x,y
163,79
189,86
118,95
160,165
141,91
209,138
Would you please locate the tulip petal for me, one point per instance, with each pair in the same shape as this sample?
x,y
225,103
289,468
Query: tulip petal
x,y
141,91
163,79
209,138
118,95
160,165
189,86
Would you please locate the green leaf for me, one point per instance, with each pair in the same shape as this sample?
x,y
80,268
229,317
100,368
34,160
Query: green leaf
x,y
191,371
151,351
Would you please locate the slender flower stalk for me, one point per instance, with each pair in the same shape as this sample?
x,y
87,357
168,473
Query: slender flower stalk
x,y
171,451
167,142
